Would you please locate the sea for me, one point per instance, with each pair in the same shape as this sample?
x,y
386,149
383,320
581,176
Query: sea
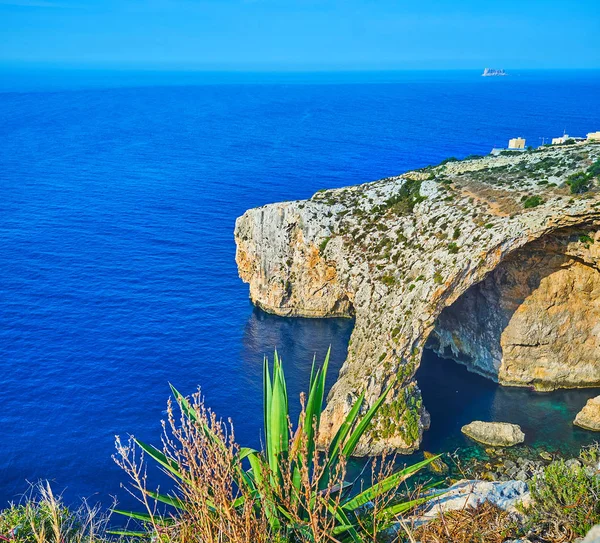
x,y
119,192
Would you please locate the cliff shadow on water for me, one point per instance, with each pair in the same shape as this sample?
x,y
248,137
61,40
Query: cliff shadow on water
x,y
298,341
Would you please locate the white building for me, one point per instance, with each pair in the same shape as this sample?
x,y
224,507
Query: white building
x,y
594,136
564,138
561,140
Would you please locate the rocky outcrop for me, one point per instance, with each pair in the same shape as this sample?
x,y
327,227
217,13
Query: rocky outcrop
x,y
541,304
464,494
498,237
496,434
589,416
593,536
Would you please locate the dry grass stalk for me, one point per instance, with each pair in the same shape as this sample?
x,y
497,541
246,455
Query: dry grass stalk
x,y
485,523
209,489
209,492
42,517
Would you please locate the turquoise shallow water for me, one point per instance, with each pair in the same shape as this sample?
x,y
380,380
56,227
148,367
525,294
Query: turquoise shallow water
x,y
119,194
455,397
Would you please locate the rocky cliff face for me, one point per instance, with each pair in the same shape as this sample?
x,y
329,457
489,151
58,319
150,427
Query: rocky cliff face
x,y
534,320
492,255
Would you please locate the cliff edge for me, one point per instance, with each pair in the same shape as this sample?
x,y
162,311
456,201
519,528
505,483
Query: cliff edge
x,y
491,261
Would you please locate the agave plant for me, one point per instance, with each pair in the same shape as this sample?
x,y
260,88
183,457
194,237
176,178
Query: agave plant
x,y
299,488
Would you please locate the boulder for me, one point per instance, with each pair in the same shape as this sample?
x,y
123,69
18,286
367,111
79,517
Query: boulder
x,y
593,535
589,416
498,434
436,466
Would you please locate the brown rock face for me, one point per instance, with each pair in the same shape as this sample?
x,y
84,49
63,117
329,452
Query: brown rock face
x,y
533,321
589,416
305,284
511,291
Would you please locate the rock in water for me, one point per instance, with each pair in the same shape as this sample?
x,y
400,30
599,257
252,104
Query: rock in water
x,y
589,416
438,465
498,434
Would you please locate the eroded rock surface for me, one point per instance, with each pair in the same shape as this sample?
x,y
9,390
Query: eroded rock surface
x,y
534,320
496,434
593,536
589,416
464,494
395,253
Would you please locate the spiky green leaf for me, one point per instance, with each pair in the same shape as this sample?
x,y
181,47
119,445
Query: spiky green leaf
x,y
145,517
167,463
386,484
169,500
363,424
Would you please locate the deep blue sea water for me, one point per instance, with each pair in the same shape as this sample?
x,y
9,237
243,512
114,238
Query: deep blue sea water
x,y
118,196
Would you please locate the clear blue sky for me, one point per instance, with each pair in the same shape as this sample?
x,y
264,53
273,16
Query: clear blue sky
x,y
302,34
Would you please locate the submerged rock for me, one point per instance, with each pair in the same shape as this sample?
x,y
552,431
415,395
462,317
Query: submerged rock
x,y
499,434
438,465
546,456
589,416
491,260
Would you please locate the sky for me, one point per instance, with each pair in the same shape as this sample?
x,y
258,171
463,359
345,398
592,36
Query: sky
x,y
301,34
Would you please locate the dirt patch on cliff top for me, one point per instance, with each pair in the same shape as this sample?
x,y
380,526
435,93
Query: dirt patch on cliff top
x,y
500,203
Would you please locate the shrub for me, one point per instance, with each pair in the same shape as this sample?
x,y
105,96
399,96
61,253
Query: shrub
x,y
532,201
323,244
405,199
566,502
291,491
388,280
453,248
578,182
594,169
448,160
42,517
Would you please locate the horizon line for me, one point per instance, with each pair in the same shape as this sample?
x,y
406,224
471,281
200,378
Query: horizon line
x,y
274,68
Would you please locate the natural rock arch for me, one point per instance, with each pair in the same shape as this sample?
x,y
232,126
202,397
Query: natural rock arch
x,y
534,320
397,252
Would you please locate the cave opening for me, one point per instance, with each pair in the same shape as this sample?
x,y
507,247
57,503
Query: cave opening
x,y
534,320
522,346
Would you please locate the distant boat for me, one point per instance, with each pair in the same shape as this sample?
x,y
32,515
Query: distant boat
x,y
489,72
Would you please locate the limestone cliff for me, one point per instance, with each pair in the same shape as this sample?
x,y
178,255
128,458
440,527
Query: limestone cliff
x,y
534,320
493,255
